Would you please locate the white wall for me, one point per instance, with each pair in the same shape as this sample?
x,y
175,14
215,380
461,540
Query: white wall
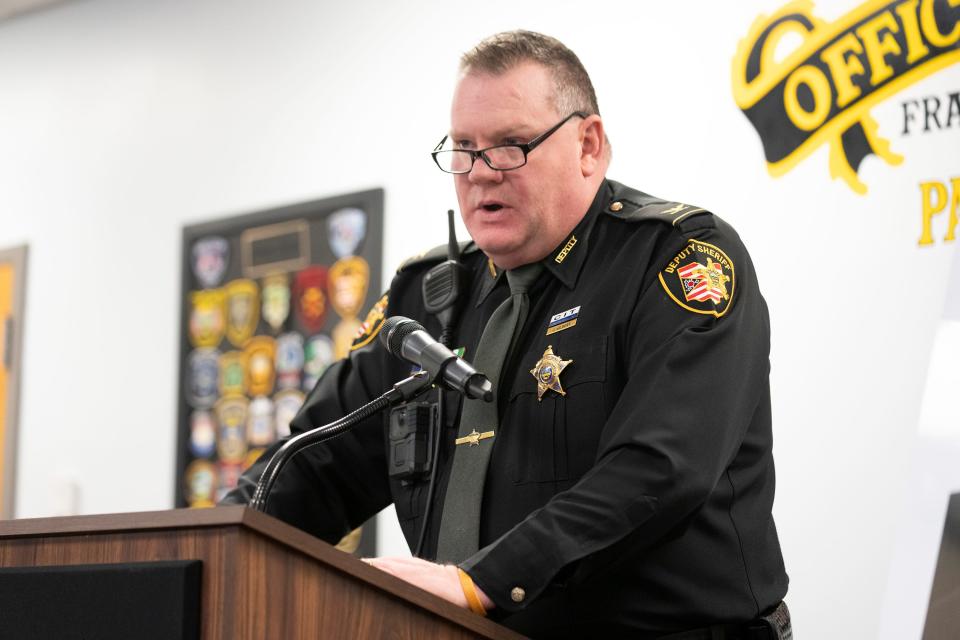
x,y
122,121
934,477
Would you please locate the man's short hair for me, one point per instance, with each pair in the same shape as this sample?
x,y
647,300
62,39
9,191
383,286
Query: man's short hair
x,y
503,51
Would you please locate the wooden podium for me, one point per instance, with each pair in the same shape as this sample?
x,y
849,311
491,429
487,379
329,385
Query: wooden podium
x,y
261,578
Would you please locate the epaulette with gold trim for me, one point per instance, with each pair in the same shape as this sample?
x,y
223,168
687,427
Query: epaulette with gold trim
x,y
437,254
630,204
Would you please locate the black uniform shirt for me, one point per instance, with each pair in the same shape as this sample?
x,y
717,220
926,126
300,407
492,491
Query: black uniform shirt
x,y
636,503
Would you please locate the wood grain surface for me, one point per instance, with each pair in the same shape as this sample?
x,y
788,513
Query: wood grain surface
x,y
261,578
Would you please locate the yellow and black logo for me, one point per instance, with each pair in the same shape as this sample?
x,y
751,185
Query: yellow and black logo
x,y
823,90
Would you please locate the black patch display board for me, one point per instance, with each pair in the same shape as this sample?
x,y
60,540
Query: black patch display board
x,y
269,301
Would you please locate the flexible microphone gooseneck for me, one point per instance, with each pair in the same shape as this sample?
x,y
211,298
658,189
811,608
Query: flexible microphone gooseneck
x,y
403,391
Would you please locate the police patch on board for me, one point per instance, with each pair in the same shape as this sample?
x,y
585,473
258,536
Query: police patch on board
x,y
700,278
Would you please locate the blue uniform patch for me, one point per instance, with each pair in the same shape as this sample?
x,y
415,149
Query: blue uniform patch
x,y
563,320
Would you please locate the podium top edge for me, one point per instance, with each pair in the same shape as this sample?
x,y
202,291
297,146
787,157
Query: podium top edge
x,y
116,522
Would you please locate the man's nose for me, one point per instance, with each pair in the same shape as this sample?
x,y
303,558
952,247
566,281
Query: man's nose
x,y
482,173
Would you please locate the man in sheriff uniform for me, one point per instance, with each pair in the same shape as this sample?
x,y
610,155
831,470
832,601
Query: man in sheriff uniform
x,y
622,483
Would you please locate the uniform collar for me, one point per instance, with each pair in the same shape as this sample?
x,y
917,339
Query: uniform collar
x,y
490,275
566,261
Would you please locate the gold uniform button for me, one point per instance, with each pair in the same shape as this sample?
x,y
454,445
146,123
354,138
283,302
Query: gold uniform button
x,y
616,206
517,594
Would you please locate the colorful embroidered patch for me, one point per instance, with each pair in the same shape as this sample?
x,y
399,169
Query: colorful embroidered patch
x,y
563,320
229,473
201,380
700,278
232,426
347,281
276,300
346,229
260,423
371,325
344,335
309,297
200,483
207,317
261,352
233,373
317,355
203,434
243,310
286,406
289,359
209,259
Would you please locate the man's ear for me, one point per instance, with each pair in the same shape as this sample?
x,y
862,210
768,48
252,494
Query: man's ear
x,y
593,145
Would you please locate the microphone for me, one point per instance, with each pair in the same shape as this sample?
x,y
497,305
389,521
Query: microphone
x,y
408,340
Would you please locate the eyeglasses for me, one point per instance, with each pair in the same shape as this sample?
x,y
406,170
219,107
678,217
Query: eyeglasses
x,y
501,157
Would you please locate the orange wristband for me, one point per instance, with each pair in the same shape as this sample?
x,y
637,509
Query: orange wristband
x,y
470,591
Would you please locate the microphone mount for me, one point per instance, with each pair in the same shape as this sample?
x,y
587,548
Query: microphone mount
x,y
403,391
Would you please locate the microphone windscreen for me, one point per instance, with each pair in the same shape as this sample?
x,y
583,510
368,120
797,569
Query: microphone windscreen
x,y
395,329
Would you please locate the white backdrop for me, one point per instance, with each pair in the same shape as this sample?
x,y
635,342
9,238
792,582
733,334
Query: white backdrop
x,y
121,121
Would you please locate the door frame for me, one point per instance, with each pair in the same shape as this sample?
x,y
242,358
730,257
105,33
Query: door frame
x,y
12,354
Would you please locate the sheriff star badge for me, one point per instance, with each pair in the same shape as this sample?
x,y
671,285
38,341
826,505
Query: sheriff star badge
x,y
547,372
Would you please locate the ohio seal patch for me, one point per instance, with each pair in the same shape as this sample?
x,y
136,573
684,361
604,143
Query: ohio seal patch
x,y
700,278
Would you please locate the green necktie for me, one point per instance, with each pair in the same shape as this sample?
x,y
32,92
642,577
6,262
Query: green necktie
x,y
479,421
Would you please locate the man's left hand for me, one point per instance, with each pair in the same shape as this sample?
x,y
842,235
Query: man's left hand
x,y
439,579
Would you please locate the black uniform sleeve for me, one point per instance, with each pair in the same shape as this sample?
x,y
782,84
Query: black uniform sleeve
x,y
693,385
331,488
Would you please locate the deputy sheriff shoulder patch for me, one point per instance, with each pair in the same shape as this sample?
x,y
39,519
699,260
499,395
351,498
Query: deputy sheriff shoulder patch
x,y
700,278
371,325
